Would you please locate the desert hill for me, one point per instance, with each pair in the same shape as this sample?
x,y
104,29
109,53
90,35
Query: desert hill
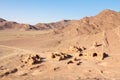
x,y
53,25
107,19
9,25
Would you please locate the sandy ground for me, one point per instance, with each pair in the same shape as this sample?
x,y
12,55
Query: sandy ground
x,y
13,44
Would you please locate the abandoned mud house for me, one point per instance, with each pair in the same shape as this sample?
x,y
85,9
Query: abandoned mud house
x,y
83,53
93,54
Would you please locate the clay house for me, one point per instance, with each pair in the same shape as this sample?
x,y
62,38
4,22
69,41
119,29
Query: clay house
x,y
93,54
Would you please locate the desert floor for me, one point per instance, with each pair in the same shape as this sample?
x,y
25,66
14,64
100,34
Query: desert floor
x,y
13,44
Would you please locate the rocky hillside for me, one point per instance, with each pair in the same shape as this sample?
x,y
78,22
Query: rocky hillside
x,y
105,20
9,25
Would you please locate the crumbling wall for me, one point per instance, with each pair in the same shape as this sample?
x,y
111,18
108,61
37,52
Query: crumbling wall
x,y
30,59
84,53
93,54
60,56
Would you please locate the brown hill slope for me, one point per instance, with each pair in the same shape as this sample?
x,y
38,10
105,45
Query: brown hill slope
x,y
105,20
9,25
2,20
53,25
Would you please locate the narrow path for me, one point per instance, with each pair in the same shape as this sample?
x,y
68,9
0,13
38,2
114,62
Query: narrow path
x,y
15,52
